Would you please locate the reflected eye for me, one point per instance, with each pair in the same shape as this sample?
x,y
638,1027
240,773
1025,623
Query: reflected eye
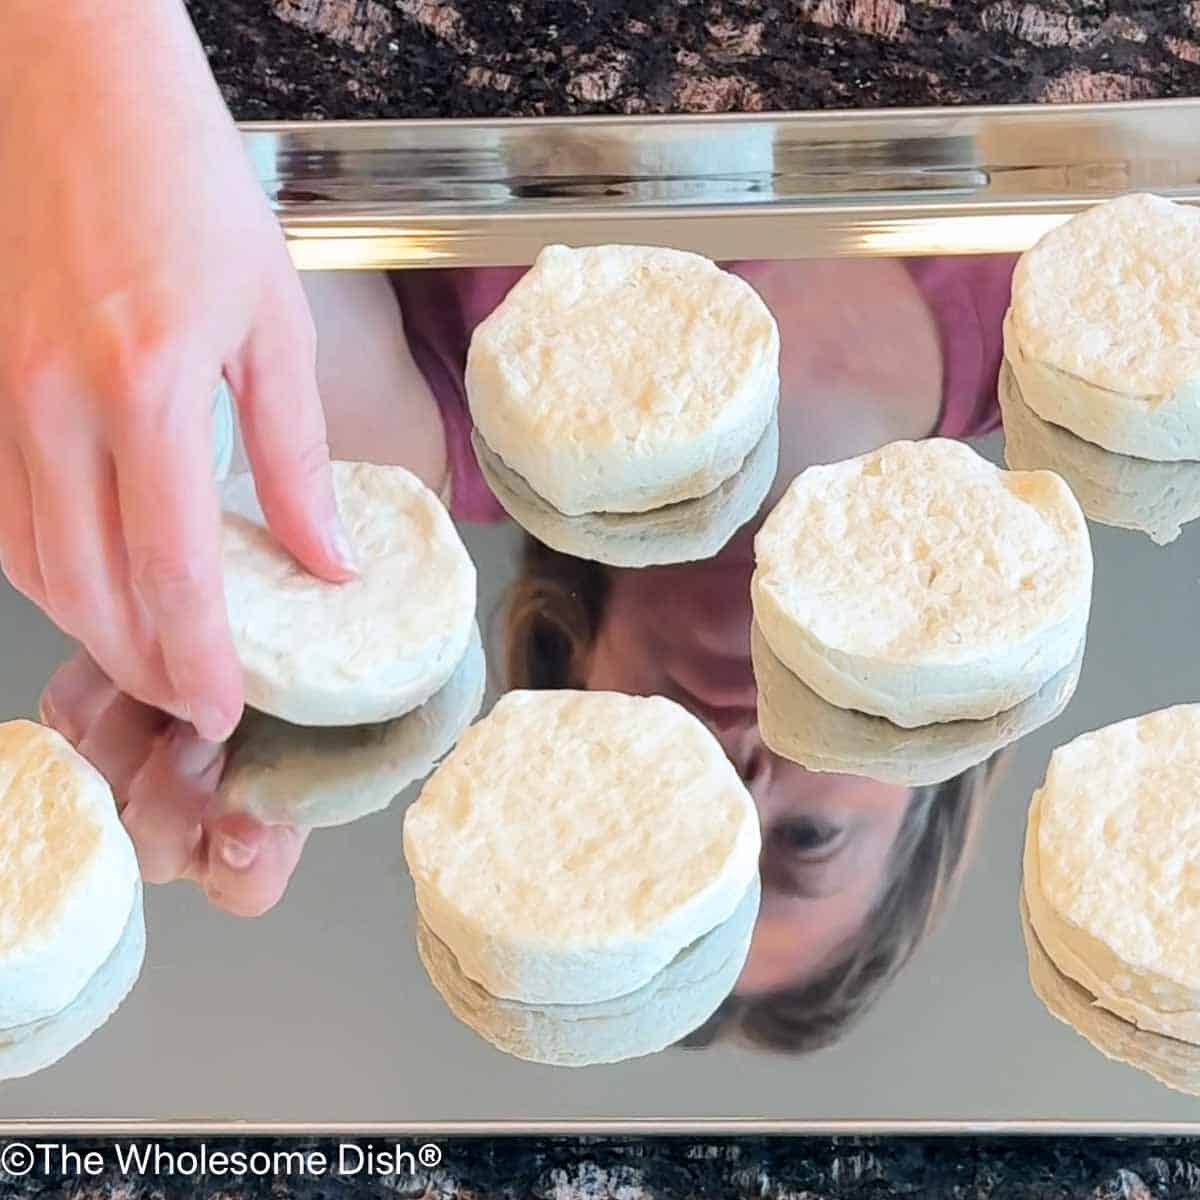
x,y
804,837
802,857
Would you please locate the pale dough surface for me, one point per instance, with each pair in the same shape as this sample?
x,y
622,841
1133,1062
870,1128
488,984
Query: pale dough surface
x,y
1104,332
34,1047
314,778
1110,851
1170,1061
798,725
1154,498
688,531
574,842
68,873
624,378
360,652
679,999
922,584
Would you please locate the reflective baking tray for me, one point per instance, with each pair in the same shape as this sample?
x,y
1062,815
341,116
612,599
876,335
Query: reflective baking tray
x,y
918,181
320,1013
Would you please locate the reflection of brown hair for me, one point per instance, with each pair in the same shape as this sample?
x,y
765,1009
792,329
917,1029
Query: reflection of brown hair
x,y
552,618
549,626
926,862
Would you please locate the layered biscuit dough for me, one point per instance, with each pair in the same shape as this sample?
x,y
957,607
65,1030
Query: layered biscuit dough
x,y
1155,498
1172,1062
688,531
921,584
314,778
574,843
68,874
29,1048
798,725
1110,879
360,652
621,379
1103,333
678,1000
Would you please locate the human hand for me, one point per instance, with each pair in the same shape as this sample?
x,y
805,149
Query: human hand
x,y
165,781
142,262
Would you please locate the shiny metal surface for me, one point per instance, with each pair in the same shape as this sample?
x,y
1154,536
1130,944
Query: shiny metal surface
x,y
320,1013
440,193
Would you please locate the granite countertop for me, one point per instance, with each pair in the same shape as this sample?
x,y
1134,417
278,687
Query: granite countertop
x,y
622,1168
307,59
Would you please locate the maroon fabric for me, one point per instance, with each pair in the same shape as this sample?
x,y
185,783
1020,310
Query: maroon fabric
x,y
967,296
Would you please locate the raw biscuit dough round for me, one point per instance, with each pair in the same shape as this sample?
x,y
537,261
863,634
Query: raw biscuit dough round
x,y
315,778
1103,332
1155,498
624,378
30,1048
574,842
689,531
360,652
798,725
1112,840
922,584
68,873
678,1000
1172,1062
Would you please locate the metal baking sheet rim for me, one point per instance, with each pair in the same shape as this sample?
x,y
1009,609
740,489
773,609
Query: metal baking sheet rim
x,y
365,194
642,1127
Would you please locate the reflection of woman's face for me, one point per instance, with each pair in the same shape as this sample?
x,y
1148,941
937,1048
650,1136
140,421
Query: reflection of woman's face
x,y
684,632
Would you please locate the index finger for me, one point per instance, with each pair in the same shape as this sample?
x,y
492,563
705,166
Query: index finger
x,y
171,521
283,425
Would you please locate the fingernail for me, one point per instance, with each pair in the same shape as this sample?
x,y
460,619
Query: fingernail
x,y
342,548
237,856
211,723
194,757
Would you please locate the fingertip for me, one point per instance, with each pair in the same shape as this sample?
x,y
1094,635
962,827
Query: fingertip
x,y
212,722
342,553
217,711
253,889
78,692
194,758
318,540
237,839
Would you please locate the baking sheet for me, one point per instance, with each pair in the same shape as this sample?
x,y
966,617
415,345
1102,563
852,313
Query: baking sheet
x,y
319,1012
363,194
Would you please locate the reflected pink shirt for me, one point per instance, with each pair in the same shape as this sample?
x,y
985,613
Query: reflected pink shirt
x,y
966,295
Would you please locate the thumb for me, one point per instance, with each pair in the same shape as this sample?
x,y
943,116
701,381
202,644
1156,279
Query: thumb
x,y
274,380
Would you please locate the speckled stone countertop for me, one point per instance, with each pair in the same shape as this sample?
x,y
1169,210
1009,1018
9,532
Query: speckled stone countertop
x,y
640,1169
302,59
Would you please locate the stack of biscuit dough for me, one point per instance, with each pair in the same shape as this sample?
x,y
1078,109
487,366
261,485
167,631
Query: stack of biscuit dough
x,y
586,875
915,609
624,403
72,934
1111,852
1101,380
354,690
1172,1062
